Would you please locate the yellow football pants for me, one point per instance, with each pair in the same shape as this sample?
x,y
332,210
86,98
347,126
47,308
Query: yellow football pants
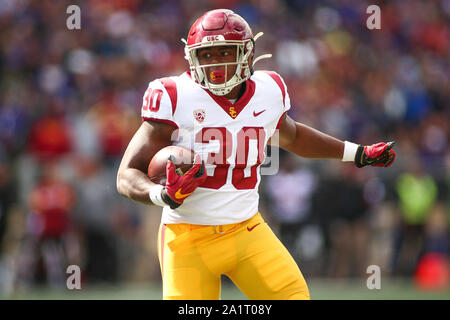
x,y
193,258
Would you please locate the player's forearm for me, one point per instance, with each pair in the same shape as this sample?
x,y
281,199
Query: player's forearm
x,y
135,185
311,143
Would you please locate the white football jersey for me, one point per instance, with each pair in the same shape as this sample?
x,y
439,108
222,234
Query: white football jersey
x,y
230,137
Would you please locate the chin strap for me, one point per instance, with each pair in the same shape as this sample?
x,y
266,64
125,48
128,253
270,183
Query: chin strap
x,y
259,34
264,56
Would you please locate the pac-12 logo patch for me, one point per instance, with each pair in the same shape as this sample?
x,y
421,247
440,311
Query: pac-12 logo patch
x,y
199,115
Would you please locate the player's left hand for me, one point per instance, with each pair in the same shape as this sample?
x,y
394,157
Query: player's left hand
x,y
376,155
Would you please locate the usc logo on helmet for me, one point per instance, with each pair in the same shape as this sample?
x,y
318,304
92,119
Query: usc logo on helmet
x,y
218,37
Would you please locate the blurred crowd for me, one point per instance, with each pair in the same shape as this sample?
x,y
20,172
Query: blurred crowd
x,y
70,101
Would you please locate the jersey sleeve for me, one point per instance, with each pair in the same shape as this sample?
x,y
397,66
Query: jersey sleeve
x,y
284,96
285,101
159,102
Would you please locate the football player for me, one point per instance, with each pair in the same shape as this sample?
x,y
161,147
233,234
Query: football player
x,y
227,112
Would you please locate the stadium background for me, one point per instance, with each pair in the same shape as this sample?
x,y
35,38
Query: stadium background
x,y
70,101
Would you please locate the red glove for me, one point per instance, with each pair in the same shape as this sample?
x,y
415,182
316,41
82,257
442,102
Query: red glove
x,y
376,155
179,187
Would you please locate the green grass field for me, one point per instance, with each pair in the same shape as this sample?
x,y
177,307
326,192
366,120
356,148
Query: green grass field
x,y
320,289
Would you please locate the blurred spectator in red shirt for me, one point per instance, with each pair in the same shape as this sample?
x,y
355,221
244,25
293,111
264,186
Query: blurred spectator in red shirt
x,y
115,125
50,136
51,201
50,245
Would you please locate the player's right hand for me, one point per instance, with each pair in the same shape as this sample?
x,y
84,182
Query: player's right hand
x,y
179,187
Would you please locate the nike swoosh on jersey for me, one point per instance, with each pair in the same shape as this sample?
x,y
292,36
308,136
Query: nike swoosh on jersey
x,y
251,228
179,195
255,114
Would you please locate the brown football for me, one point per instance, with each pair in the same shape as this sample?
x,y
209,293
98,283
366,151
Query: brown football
x,y
184,158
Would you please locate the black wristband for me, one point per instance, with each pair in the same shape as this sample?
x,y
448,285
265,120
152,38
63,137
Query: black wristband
x,y
165,197
359,157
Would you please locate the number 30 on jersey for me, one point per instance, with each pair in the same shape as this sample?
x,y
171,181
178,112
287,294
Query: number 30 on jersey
x,y
248,150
